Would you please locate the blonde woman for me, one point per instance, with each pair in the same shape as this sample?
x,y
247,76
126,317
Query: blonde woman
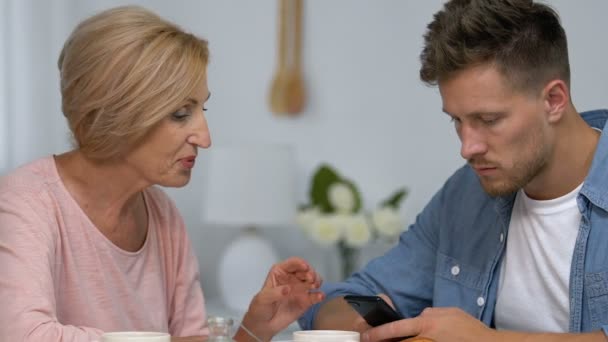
x,y
88,243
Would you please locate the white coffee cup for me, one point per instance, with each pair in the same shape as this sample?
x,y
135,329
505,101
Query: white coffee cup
x,y
135,336
325,336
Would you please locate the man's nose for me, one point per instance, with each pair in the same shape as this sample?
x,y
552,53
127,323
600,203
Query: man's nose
x,y
472,143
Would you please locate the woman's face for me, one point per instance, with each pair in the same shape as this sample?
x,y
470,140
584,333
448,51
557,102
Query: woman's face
x,y
167,154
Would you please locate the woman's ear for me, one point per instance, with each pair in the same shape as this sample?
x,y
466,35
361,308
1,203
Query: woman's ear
x,y
556,97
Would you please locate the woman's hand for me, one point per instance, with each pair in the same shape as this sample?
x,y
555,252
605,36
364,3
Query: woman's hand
x,y
291,287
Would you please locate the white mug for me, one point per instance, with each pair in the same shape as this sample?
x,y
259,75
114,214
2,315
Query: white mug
x,y
325,336
135,336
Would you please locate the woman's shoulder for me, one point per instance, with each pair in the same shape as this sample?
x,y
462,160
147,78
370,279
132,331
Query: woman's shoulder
x,y
30,180
26,199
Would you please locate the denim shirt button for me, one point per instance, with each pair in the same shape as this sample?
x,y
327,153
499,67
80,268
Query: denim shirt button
x,y
481,301
502,237
455,270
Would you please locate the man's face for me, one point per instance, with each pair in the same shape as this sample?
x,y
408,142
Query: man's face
x,y
503,132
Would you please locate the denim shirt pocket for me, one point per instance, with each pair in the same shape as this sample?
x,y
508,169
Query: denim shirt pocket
x,y
458,285
596,290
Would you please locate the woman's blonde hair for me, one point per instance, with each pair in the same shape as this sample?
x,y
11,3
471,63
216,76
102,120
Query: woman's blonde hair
x,y
122,71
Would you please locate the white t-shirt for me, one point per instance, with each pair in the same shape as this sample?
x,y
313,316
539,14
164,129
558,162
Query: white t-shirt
x,y
533,292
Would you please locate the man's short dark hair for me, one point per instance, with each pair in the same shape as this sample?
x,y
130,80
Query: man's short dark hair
x,y
523,39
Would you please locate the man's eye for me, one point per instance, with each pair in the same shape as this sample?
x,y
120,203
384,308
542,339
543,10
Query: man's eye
x,y
181,114
490,121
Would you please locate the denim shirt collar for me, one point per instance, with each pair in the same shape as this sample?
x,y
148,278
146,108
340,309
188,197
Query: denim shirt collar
x,y
504,206
595,188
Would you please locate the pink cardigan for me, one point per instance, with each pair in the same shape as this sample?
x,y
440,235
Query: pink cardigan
x,y
62,280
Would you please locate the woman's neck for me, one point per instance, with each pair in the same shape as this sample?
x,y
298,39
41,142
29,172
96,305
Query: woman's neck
x,y
110,194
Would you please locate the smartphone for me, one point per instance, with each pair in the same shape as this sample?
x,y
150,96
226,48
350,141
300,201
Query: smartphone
x,y
373,309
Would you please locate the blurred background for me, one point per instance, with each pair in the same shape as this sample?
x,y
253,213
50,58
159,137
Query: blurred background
x,y
367,113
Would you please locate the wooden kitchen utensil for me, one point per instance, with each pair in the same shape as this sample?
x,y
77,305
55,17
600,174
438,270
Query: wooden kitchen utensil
x,y
278,101
287,92
296,92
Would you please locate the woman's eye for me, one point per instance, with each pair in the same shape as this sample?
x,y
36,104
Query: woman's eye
x,y
204,109
181,114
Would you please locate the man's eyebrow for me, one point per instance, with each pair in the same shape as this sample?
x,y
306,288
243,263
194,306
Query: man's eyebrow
x,y
447,113
476,113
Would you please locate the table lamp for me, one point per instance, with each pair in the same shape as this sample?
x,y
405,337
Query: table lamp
x,y
250,188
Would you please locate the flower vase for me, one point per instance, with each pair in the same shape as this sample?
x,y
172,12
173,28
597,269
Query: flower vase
x,y
349,257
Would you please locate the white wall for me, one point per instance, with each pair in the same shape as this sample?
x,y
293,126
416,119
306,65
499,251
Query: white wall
x,y
368,114
31,34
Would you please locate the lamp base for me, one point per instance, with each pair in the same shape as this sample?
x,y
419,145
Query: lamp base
x,y
243,269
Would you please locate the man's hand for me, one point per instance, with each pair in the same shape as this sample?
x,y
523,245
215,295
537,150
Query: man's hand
x,y
437,324
291,287
337,314
455,325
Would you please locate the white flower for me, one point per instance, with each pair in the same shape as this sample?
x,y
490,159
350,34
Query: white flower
x,y
306,217
387,221
341,197
326,230
357,231
342,221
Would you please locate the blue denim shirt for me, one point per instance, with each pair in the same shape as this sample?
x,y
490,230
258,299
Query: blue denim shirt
x,y
451,255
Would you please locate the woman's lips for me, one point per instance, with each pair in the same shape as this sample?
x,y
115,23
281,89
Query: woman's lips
x,y
188,163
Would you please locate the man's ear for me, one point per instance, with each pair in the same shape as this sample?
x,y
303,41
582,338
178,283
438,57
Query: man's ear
x,y
556,97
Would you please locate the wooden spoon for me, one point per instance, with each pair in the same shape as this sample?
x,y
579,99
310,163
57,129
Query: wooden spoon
x,y
296,92
278,101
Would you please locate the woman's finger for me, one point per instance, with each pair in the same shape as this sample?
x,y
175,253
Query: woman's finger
x,y
272,295
316,297
293,265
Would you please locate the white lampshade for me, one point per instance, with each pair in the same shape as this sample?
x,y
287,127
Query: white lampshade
x,y
248,187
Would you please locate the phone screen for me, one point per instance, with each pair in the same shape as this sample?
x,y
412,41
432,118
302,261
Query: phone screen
x,y
373,309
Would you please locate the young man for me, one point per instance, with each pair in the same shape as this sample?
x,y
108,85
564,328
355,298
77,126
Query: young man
x,y
514,245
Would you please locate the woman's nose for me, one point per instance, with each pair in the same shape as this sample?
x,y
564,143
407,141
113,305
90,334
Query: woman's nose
x,y
201,136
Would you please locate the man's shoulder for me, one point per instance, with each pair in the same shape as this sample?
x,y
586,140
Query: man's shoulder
x,y
595,187
595,118
464,182
462,194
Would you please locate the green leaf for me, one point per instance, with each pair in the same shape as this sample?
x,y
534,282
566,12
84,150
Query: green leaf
x,y
395,199
322,179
